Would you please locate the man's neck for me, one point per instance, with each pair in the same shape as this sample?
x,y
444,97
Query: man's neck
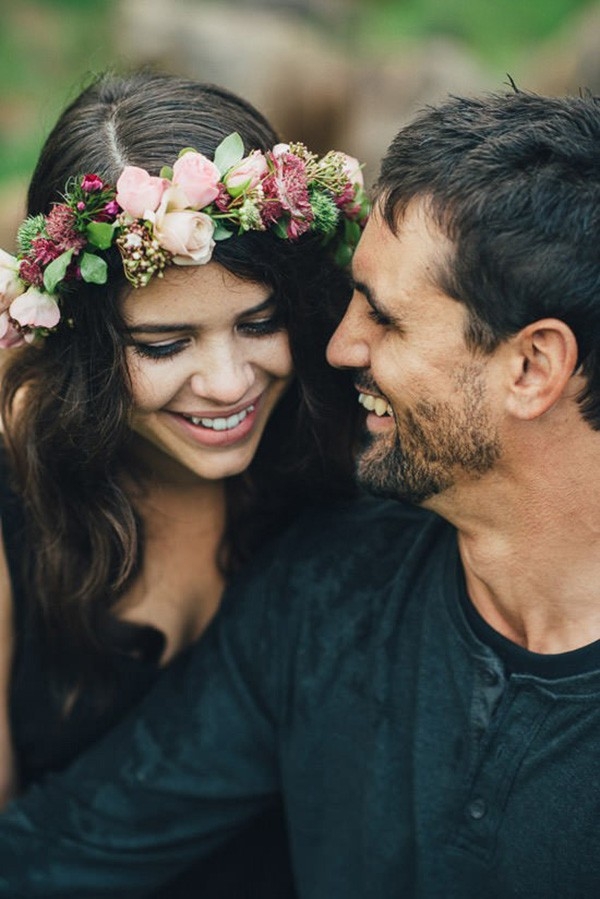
x,y
547,601
530,548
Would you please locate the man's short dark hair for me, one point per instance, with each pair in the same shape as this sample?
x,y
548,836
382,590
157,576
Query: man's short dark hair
x,y
514,181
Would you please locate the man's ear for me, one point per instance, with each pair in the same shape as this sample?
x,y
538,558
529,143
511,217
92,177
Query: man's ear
x,y
543,357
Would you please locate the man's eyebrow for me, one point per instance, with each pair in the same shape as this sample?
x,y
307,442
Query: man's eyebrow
x,y
169,327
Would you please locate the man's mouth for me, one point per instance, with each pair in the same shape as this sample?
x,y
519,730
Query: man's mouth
x,y
375,404
220,424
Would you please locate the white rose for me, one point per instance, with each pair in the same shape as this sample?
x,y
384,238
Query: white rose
x,y
187,234
10,284
35,309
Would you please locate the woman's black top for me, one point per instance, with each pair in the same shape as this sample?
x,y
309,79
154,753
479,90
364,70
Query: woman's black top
x,y
253,864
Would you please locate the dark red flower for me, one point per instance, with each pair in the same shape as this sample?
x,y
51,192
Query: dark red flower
x,y
296,227
91,183
45,250
345,196
60,223
223,199
286,190
31,273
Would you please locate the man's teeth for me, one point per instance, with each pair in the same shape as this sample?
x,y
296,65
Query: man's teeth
x,y
221,424
375,404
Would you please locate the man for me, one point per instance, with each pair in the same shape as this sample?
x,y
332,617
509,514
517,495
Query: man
x,y
422,689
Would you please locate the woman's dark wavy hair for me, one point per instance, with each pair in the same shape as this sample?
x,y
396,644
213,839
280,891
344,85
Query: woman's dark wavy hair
x,y
66,406
514,181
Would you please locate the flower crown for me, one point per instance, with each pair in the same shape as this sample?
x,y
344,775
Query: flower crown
x,y
174,218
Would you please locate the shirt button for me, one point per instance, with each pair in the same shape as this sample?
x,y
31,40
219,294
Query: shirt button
x,y
490,677
477,808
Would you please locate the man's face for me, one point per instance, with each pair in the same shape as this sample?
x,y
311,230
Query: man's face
x,y
429,423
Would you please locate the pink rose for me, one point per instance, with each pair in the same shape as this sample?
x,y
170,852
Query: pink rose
x,y
35,309
138,192
198,178
10,284
9,336
185,233
280,150
246,174
351,167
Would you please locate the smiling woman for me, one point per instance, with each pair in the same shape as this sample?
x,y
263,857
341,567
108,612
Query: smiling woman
x,y
167,406
208,362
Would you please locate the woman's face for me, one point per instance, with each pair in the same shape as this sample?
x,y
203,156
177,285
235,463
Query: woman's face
x,y
208,364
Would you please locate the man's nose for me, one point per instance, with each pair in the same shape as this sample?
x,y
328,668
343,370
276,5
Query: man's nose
x,y
348,347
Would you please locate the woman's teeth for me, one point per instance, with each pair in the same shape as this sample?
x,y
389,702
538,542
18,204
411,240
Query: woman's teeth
x,y
375,404
221,424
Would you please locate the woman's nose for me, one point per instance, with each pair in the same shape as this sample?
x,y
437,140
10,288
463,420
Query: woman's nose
x,y
222,375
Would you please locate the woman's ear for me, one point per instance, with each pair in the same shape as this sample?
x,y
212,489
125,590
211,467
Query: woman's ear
x,y
543,357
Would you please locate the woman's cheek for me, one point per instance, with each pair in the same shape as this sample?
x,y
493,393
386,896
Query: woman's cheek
x,y
283,366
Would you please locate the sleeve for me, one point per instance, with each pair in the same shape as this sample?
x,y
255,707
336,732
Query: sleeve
x,y
194,762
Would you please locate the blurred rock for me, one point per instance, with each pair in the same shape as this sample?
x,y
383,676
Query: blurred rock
x,y
282,64
310,86
388,91
570,61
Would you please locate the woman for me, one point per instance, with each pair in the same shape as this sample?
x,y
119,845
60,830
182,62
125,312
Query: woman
x,y
168,410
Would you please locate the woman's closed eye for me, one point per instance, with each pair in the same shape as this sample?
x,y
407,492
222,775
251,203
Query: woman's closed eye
x,y
261,327
163,350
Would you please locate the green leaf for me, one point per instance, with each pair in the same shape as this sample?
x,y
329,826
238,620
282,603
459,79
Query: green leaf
x,y
229,152
343,255
280,230
55,272
166,172
221,233
238,191
100,234
351,232
93,269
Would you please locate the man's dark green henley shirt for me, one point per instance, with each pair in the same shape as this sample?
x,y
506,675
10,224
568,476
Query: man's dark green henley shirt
x,y
347,675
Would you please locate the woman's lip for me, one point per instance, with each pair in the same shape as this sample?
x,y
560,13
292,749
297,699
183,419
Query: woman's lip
x,y
220,413
210,437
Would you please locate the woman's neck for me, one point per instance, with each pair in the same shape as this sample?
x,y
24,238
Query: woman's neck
x,y
180,583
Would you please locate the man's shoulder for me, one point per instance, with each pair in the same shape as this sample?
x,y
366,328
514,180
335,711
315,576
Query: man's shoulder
x,y
356,541
363,521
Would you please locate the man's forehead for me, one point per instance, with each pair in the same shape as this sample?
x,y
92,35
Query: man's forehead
x,y
370,246
416,241
400,271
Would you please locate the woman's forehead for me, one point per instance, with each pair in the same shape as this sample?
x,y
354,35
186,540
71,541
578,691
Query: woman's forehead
x,y
194,294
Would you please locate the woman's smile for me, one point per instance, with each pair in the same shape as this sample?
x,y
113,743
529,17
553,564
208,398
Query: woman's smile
x,y
208,362
222,428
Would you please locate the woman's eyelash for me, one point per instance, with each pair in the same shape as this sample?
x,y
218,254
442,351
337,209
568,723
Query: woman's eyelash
x,y
261,327
159,350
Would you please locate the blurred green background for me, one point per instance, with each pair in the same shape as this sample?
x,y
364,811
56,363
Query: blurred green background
x,y
385,58
498,30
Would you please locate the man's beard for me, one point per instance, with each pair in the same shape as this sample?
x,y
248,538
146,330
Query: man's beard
x,y
431,445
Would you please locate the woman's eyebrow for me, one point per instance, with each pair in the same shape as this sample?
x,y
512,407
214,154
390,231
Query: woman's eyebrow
x,y
159,329
260,307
